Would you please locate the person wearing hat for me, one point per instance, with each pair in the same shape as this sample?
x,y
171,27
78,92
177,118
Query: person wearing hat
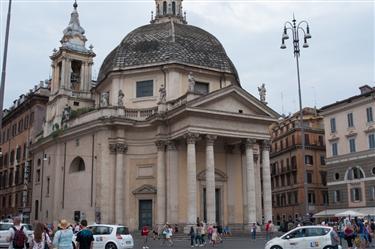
x,y
63,237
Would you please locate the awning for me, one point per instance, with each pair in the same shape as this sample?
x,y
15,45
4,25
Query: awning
x,y
368,211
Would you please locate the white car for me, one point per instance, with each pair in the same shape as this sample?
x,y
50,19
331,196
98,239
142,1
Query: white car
x,y
4,233
111,237
317,237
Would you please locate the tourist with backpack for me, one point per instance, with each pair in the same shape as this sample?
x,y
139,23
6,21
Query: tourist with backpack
x,y
17,235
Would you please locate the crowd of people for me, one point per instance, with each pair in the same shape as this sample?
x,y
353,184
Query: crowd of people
x,y
357,232
42,236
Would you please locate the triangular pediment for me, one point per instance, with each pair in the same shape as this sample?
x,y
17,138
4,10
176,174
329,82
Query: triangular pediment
x,y
233,99
145,189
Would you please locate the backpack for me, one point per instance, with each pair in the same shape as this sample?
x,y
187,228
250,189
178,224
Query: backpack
x,y
19,239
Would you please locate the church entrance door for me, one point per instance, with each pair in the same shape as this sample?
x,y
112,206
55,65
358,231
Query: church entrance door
x,y
145,213
217,205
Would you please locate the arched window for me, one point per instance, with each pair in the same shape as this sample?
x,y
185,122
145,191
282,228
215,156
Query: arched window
x,y
77,165
354,173
164,8
174,8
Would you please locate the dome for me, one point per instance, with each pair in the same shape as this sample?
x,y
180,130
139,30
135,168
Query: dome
x,y
165,43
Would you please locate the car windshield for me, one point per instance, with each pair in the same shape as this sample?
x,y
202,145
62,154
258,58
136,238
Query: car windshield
x,y
101,230
122,230
4,227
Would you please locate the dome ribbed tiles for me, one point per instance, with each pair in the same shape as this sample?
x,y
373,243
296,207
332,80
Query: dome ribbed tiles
x,y
156,44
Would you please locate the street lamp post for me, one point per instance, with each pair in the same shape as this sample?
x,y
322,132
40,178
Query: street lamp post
x,y
296,30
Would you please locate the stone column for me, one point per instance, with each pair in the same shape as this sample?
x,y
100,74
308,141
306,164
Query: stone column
x,y
119,149
258,188
210,180
191,139
250,184
62,73
267,192
172,183
160,183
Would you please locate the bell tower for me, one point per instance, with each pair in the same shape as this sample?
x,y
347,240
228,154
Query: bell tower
x,y
71,75
167,10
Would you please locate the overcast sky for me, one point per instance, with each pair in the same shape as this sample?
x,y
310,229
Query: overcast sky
x,y
339,60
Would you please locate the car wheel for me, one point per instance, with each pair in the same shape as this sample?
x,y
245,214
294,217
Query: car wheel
x,y
276,247
110,246
328,247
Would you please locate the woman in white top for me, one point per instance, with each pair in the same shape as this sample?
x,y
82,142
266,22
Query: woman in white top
x,y
40,238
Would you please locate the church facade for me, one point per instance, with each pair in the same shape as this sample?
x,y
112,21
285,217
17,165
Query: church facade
x,y
166,134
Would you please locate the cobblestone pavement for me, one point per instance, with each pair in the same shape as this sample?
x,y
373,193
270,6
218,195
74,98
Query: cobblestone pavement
x,y
230,243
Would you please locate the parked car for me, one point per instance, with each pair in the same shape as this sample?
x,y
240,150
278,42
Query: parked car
x,y
4,233
110,237
317,237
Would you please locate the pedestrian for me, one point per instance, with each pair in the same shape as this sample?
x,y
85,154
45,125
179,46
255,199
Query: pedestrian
x,y
155,233
220,233
40,238
269,228
253,231
198,235
85,237
144,234
77,228
210,230
192,236
63,237
214,236
335,240
169,235
349,235
203,233
17,235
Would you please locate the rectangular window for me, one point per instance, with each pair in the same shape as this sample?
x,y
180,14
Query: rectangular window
x,y
323,178
311,197
334,149
293,140
37,175
321,140
201,87
325,197
309,159
307,139
350,120
333,125
336,196
286,143
371,141
352,145
145,88
370,117
309,177
322,160
356,194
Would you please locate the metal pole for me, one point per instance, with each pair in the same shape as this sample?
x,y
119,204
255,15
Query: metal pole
x,y
2,84
302,138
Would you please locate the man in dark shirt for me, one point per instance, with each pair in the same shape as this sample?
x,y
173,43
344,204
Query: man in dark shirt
x,y
85,237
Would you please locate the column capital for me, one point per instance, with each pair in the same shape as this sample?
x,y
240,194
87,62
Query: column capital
x,y
191,138
171,145
250,142
266,145
210,139
160,144
120,148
